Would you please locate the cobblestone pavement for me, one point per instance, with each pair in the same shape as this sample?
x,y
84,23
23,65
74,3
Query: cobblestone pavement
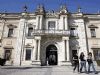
x,y
38,70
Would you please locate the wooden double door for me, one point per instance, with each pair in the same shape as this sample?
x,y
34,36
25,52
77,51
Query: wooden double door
x,y
51,55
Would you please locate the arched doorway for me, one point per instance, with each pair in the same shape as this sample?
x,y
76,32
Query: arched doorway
x,y
51,55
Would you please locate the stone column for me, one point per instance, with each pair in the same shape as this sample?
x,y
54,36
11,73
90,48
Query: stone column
x,y
68,53
37,50
38,55
65,49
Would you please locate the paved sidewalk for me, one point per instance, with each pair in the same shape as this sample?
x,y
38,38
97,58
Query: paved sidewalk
x,y
40,70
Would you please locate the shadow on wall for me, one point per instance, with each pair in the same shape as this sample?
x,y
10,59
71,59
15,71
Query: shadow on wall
x,y
98,62
97,56
2,61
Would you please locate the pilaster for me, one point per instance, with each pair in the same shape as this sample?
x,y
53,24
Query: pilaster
x,y
37,51
66,51
18,54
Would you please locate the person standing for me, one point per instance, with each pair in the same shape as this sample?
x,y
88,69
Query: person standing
x,y
82,62
90,63
76,62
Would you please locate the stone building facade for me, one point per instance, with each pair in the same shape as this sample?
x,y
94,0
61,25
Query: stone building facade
x,y
33,38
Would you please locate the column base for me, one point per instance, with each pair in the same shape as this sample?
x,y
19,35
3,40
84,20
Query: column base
x,y
65,63
36,62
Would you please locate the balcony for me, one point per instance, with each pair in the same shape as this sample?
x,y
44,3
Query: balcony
x,y
52,32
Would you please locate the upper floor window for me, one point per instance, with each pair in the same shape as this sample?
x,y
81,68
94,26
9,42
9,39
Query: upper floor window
x,y
10,32
28,54
30,30
93,33
73,32
51,25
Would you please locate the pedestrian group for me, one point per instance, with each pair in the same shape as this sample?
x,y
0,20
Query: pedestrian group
x,y
82,64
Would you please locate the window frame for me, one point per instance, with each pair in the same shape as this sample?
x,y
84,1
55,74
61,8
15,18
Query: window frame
x,y
30,33
10,34
30,57
93,32
50,26
10,54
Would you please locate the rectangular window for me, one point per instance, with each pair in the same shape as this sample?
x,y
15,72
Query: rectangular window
x,y
10,32
93,33
51,25
28,54
7,54
73,31
30,30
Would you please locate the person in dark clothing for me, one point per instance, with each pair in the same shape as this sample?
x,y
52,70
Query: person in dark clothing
x,y
82,62
76,62
90,63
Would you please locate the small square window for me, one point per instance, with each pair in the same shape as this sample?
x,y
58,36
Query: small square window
x,y
51,25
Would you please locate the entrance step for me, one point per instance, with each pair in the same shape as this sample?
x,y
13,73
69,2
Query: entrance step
x,y
36,62
66,63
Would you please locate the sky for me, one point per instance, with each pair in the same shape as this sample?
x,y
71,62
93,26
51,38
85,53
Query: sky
x,y
87,6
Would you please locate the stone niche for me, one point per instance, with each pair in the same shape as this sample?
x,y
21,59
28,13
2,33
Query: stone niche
x,y
9,42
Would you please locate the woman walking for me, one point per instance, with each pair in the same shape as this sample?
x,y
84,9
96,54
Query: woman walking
x,y
76,62
90,63
82,62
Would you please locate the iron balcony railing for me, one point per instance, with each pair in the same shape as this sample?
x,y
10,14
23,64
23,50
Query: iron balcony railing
x,y
51,32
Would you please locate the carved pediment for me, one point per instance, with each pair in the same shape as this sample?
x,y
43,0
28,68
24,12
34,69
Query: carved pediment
x,y
28,46
8,47
95,47
92,26
11,26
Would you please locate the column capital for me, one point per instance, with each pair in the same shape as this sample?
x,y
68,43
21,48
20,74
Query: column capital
x,y
38,37
65,38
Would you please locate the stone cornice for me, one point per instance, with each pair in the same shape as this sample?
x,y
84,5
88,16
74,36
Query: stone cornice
x,y
50,15
92,16
76,15
9,15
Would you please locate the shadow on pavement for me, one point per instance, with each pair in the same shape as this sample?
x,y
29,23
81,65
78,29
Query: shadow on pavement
x,y
40,67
